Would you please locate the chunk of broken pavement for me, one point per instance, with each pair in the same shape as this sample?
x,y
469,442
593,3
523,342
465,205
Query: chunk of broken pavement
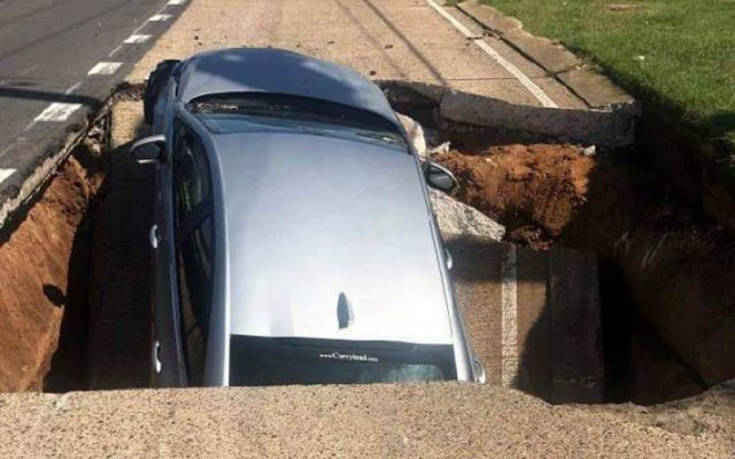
x,y
458,219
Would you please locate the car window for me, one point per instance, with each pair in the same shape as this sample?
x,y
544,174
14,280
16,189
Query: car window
x,y
285,107
259,361
194,246
191,173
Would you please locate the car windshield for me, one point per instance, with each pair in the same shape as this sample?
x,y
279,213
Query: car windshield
x,y
258,361
286,107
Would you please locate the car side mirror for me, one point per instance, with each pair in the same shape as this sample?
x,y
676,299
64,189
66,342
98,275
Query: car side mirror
x,y
439,177
149,149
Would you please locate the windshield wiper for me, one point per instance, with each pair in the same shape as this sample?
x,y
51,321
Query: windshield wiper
x,y
385,137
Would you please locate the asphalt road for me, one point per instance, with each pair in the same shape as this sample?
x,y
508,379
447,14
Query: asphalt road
x,y
47,50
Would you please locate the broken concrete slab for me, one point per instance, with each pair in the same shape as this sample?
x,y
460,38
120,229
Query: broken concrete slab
x,y
458,219
610,128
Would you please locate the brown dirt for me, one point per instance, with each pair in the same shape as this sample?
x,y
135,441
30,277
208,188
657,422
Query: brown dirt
x,y
535,190
34,286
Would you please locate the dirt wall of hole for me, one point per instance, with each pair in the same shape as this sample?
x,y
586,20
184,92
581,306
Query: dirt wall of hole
x,y
42,253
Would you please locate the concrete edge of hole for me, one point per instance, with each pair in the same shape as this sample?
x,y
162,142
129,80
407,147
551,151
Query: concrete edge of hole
x,y
44,172
610,127
41,175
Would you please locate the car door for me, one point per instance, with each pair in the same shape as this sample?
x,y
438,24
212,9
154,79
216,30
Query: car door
x,y
167,353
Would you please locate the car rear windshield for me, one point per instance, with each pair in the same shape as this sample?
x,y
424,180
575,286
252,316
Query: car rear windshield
x,y
291,107
258,361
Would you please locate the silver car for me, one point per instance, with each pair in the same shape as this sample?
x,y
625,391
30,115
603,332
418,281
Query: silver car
x,y
293,239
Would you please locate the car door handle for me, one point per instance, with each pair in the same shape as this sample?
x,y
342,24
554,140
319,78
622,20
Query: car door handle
x,y
153,236
154,356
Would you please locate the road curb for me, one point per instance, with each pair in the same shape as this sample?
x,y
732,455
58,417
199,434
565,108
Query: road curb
x,y
594,89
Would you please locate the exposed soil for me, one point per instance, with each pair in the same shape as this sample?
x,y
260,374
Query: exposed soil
x,y
74,294
668,315
533,189
41,260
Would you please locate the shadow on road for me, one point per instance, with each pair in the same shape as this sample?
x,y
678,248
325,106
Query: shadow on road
x,y
49,96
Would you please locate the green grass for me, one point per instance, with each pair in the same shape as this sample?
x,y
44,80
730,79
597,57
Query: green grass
x,y
678,54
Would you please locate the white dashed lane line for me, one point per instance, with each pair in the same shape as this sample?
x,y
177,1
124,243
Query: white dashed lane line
x,y
159,17
48,113
532,87
5,173
104,68
176,2
136,38
57,112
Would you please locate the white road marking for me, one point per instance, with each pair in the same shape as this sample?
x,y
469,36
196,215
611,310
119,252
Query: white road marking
x,y
159,17
5,173
532,87
509,317
68,90
136,38
104,68
176,2
57,112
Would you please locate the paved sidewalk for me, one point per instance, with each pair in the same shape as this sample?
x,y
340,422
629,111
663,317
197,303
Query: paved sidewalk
x,y
383,39
371,420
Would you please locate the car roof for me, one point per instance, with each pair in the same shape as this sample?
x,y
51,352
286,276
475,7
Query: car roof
x,y
329,238
242,70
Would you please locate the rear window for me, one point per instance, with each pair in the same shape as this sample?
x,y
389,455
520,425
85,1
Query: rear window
x,y
284,106
258,361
